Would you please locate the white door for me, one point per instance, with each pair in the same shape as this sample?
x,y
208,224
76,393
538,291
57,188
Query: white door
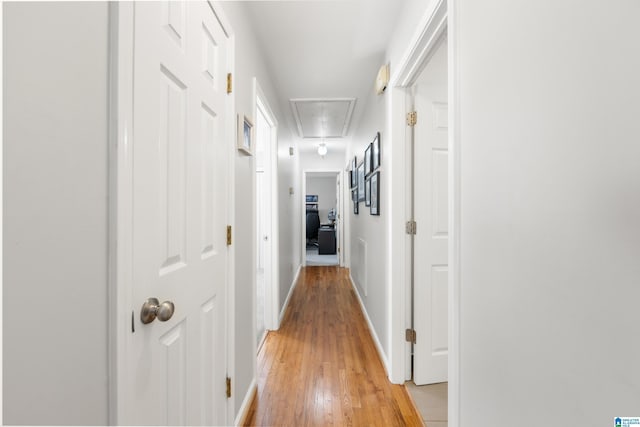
x,y
431,265
263,224
177,368
262,238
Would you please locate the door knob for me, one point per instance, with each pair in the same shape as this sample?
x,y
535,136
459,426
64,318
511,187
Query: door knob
x,y
266,238
152,308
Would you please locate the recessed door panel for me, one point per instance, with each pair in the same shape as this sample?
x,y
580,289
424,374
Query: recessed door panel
x,y
173,20
207,142
171,167
209,56
438,307
440,200
174,347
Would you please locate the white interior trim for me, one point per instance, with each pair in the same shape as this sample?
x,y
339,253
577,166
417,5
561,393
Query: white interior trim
x,y
455,209
372,330
291,288
1,198
231,155
120,206
431,29
246,402
398,239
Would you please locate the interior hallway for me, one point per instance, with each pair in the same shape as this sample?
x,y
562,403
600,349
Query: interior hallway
x,y
321,367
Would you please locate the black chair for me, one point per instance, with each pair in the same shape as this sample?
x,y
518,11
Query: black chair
x,y
313,225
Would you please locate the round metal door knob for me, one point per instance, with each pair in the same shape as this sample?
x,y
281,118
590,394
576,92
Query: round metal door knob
x,y
152,308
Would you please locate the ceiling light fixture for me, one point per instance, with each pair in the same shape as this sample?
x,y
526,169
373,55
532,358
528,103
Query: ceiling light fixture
x,y
322,150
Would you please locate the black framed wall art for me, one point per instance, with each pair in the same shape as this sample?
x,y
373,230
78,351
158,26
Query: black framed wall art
x,y
374,209
361,182
375,155
354,176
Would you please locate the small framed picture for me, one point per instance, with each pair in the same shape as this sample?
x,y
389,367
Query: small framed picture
x,y
361,182
375,194
245,134
356,204
367,192
354,177
375,155
367,160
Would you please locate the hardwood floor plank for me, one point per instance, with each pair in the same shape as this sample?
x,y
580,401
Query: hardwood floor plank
x,y
322,367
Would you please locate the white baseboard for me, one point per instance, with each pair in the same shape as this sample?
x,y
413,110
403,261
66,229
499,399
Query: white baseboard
x,y
372,330
286,301
246,403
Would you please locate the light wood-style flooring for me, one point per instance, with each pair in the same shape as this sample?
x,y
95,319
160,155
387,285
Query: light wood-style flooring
x,y
322,368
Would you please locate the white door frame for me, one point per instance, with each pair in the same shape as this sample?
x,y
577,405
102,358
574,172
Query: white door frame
x,y
272,320
304,210
438,21
121,59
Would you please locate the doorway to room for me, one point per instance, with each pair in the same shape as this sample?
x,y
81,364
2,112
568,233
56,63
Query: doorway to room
x,y
266,217
428,157
321,218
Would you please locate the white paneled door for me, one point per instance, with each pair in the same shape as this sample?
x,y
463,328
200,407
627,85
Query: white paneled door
x,y
177,368
432,237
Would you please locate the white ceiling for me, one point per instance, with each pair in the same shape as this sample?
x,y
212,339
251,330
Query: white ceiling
x,y
323,49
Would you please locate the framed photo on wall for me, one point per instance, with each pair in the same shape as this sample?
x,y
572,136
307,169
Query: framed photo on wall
x,y
356,204
375,155
361,182
367,160
245,134
354,176
375,194
367,192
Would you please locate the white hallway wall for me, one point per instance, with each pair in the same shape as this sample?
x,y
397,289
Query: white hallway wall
x,y
369,269
249,63
550,234
289,209
55,197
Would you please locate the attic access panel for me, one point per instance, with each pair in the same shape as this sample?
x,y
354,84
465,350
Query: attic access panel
x,y
323,118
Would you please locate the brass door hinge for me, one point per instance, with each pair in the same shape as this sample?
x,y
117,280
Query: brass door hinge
x,y
412,118
410,335
229,82
228,235
411,227
228,387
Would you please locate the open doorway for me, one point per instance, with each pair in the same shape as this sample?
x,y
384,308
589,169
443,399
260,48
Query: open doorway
x,y
321,214
430,263
266,218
